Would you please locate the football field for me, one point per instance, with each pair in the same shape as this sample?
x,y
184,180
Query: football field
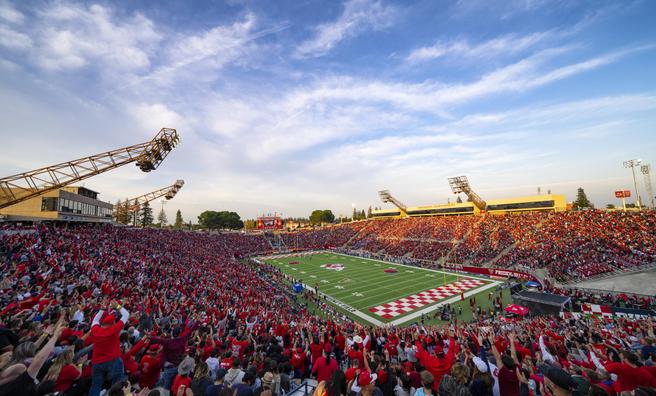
x,y
375,291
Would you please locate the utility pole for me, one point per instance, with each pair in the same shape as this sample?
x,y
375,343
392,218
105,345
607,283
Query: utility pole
x,y
161,223
646,171
632,164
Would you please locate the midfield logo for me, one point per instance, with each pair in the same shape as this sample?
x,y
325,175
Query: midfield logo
x,y
334,267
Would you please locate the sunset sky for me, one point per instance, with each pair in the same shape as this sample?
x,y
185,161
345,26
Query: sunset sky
x,y
290,106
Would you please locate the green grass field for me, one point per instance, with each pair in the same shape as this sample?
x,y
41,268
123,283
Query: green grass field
x,y
366,293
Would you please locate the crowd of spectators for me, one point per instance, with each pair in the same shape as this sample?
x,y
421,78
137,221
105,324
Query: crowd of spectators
x,y
91,309
581,244
173,284
322,238
87,310
570,245
622,300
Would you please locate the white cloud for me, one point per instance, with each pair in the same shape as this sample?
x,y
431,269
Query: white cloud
x,y
208,50
289,139
433,97
152,117
358,16
517,145
574,114
12,39
10,14
503,45
335,110
576,68
505,9
71,36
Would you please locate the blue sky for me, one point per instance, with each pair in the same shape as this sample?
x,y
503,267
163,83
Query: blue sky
x,y
289,106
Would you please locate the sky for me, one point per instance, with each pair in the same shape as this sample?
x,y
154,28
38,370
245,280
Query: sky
x,y
289,106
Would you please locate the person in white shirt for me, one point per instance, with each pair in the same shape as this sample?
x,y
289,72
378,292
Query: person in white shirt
x,y
213,364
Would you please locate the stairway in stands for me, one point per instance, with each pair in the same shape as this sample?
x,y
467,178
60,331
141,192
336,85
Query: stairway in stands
x,y
362,230
276,242
459,241
510,247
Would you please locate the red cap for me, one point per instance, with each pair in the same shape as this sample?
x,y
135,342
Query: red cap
x,y
366,378
408,365
154,348
382,375
107,320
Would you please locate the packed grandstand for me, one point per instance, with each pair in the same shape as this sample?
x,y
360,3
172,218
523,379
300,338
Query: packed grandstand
x,y
569,245
98,308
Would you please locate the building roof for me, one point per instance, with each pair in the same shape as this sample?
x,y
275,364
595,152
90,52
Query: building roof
x,y
78,188
542,298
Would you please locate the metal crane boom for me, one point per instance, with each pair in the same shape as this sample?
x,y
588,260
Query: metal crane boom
x,y
166,192
148,156
386,197
460,184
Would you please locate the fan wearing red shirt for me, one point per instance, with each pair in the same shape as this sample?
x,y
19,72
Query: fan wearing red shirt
x,y
298,362
150,366
355,353
183,379
324,367
282,329
390,347
340,342
316,348
508,380
63,371
239,347
67,376
106,357
352,371
438,363
629,375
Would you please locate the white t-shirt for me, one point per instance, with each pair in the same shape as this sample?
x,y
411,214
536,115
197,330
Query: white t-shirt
x,y
494,370
213,365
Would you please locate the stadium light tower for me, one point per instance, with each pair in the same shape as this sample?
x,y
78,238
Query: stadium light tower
x,y
148,156
460,184
386,197
646,171
632,164
166,192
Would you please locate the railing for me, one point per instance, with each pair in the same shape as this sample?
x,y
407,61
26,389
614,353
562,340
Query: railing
x,y
605,292
627,271
306,388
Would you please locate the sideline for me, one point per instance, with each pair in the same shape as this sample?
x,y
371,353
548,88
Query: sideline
x,y
406,318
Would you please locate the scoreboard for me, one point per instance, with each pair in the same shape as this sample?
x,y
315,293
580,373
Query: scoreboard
x,y
269,223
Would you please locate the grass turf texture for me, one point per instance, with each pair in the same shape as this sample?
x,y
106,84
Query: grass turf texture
x,y
363,284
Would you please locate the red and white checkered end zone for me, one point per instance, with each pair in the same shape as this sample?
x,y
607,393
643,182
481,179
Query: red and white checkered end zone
x,y
410,303
597,310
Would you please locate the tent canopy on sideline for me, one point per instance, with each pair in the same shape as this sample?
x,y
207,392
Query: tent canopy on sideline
x,y
541,303
517,309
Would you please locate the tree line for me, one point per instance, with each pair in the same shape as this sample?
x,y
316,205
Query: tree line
x,y
123,214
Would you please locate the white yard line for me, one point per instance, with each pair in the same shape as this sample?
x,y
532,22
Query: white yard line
x,y
420,268
388,285
348,308
434,307
411,315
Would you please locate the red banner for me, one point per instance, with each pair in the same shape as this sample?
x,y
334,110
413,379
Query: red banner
x,y
498,272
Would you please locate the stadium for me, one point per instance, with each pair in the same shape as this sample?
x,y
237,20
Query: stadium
x,y
383,283
490,289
